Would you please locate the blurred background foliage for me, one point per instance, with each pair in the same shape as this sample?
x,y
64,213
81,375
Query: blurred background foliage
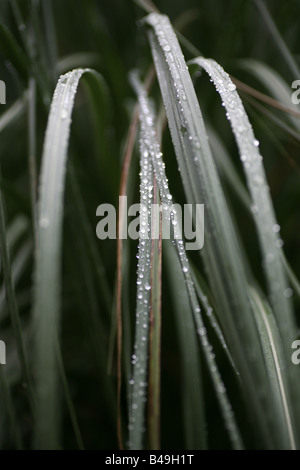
x,y
52,37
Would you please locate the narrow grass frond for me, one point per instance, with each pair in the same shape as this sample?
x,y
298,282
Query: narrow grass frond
x,y
262,208
48,269
143,305
263,212
272,347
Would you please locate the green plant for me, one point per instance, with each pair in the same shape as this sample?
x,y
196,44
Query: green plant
x,y
194,349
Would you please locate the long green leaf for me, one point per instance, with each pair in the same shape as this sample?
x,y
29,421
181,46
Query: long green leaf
x,y
272,347
263,212
47,303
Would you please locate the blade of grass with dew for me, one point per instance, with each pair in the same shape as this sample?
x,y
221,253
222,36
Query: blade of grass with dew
x,y
47,268
151,149
263,212
143,304
154,409
192,383
149,7
272,347
123,320
221,251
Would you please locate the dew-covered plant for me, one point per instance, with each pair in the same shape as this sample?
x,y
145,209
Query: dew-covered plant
x,y
139,343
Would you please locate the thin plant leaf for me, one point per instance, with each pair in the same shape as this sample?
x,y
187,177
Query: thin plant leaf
x,y
47,303
273,356
263,212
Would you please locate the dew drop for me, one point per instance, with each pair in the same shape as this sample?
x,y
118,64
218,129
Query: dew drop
x,y
231,87
288,292
64,114
44,222
201,331
279,243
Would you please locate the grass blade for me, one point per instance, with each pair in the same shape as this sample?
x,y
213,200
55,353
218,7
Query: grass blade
x,y
273,355
263,212
47,268
140,356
